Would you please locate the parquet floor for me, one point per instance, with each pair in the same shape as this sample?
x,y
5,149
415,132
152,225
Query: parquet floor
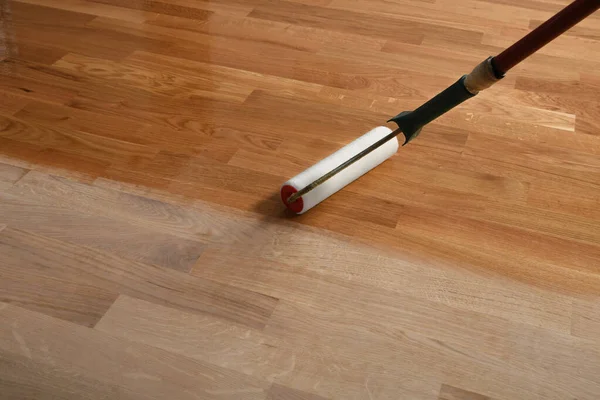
x,y
144,253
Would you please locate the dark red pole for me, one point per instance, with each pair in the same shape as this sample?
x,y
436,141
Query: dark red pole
x,y
544,34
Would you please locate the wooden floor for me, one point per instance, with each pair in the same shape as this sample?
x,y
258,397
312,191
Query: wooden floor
x,y
144,253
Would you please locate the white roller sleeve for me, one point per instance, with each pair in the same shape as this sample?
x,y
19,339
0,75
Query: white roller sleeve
x,y
347,175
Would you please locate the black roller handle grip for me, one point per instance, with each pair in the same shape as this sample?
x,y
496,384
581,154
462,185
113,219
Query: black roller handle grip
x,y
411,122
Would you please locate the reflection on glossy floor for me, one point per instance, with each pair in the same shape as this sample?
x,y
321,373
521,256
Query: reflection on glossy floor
x,y
144,253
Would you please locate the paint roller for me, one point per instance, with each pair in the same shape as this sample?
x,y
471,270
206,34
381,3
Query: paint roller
x,y
317,183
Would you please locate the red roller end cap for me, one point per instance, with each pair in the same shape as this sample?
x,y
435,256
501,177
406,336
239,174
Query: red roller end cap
x,y
286,192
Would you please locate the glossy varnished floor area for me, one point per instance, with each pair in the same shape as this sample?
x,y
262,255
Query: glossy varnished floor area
x,y
144,253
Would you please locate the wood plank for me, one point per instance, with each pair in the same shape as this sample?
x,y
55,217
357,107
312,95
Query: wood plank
x,y
579,30
165,246
22,85
49,114
201,173
20,128
236,199
279,392
162,82
60,27
188,114
200,179
457,291
26,379
11,103
587,124
560,47
535,135
110,365
586,318
248,30
201,337
556,67
199,139
581,199
370,25
42,291
50,160
35,13
95,231
440,252
415,57
165,83
553,223
576,96
160,7
318,120
197,222
224,75
57,161
424,354
471,14
104,220
36,53
448,392
551,5
587,113
86,266
282,59
106,99
452,228
9,174
236,8
521,162
96,9
302,369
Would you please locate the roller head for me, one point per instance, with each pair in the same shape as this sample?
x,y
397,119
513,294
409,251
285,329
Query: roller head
x,y
342,178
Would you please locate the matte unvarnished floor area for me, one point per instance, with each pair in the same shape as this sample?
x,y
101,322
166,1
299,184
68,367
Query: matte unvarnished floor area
x,y
144,253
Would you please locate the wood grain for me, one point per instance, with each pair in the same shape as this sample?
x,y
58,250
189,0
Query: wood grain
x,y
50,114
586,318
95,9
200,337
9,174
116,366
312,287
341,333
89,267
37,53
345,21
51,160
34,288
84,144
448,392
160,7
298,368
142,147
279,392
127,241
60,25
10,104
249,30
